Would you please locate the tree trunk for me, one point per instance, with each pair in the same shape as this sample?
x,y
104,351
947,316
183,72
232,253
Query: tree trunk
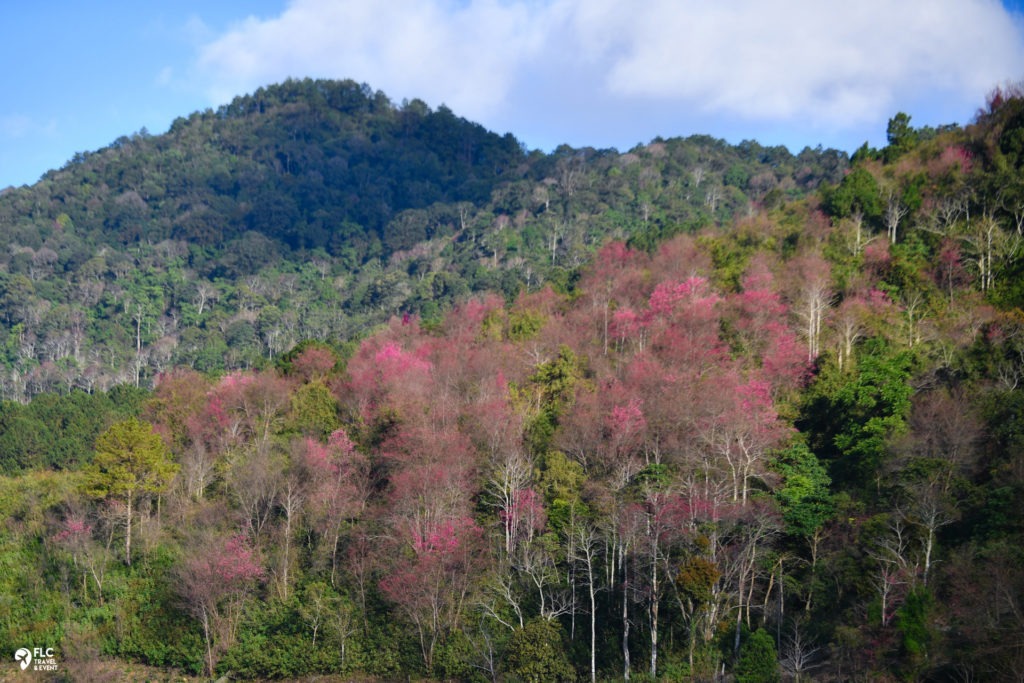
x,y
654,615
593,631
625,623
739,613
287,555
209,644
814,541
128,534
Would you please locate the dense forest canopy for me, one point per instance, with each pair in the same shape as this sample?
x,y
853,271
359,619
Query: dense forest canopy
x,y
318,384
314,209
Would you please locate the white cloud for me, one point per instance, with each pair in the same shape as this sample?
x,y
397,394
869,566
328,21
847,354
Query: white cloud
x,y
789,62
843,61
465,55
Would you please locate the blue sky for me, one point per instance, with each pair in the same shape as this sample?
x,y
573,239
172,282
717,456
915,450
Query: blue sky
x,y
605,73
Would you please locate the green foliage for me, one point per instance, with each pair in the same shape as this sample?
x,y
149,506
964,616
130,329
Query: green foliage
x,y
131,459
127,400
804,495
555,383
730,258
853,417
757,662
145,623
697,578
653,477
912,619
858,193
536,654
559,478
24,442
864,153
523,325
901,136
314,411
272,646
58,430
31,604
453,659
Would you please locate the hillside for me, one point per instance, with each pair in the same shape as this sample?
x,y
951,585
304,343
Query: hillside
x,y
317,209
658,415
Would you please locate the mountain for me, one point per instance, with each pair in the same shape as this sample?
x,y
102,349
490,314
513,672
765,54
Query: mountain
x,y
687,412
314,209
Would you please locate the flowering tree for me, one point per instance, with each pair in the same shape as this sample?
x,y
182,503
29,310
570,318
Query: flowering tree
x,y
740,430
431,585
214,581
76,537
338,488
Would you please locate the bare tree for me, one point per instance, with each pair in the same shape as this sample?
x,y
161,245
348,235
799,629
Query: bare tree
x,y
254,477
501,590
798,654
586,550
849,327
507,487
536,562
893,553
985,244
291,498
894,212
812,298
930,510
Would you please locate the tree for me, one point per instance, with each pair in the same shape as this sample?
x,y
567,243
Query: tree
x,y
696,591
855,420
849,327
798,653
740,429
431,586
898,568
660,515
987,246
339,484
519,507
536,655
179,411
757,663
901,136
857,195
314,410
805,500
894,211
812,298
586,550
131,461
309,361
76,537
213,581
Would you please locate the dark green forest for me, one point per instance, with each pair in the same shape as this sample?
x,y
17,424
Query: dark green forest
x,y
321,384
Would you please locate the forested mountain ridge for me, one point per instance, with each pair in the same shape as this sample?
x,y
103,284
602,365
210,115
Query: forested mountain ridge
x,y
314,209
761,434
300,163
